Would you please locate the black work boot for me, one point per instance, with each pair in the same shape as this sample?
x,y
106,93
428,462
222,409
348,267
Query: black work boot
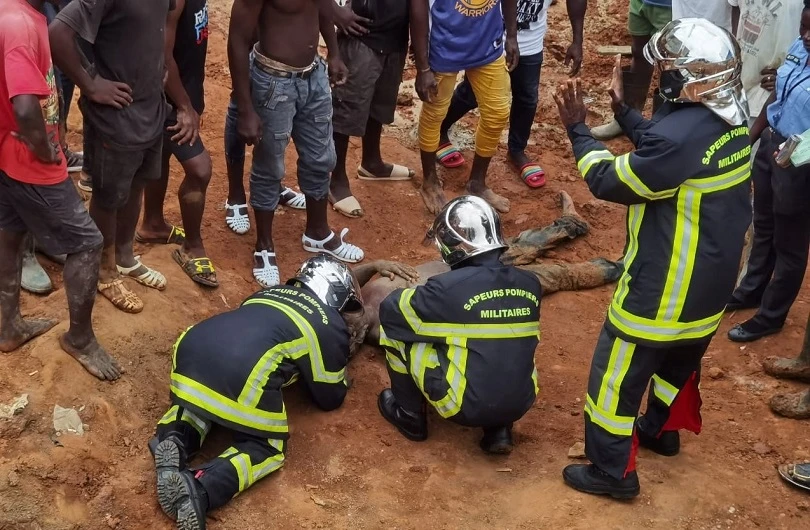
x,y
412,425
588,478
169,461
668,443
191,503
497,440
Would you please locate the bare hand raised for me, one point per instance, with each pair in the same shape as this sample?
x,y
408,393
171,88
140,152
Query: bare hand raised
x,y
616,89
570,104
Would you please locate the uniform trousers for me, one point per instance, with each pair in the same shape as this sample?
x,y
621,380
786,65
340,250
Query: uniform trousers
x,y
620,373
249,459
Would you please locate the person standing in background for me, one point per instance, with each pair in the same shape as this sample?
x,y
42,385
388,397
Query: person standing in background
x,y
532,24
715,11
645,18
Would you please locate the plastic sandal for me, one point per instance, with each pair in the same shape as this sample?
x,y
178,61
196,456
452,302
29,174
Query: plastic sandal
x,y
200,270
449,156
293,199
238,222
177,236
149,278
533,175
267,275
345,252
125,300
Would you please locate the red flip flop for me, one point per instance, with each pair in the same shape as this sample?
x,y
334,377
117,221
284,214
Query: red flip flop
x,y
533,175
449,156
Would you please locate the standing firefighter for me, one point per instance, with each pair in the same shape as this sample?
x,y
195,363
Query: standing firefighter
x,y
688,195
231,369
464,340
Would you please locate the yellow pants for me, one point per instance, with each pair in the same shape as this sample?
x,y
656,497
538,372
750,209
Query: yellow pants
x,y
491,86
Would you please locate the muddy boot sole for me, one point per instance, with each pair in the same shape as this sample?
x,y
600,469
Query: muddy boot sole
x,y
170,485
188,518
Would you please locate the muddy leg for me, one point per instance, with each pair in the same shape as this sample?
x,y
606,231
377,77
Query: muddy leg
x,y
792,368
81,280
14,331
574,277
431,190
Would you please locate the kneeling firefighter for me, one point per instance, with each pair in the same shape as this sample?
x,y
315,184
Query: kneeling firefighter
x,y
687,188
230,370
465,340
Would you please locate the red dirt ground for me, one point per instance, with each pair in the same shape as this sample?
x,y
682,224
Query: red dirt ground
x,y
350,469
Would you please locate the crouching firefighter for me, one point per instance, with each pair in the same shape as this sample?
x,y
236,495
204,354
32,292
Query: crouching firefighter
x,y
687,188
465,340
230,370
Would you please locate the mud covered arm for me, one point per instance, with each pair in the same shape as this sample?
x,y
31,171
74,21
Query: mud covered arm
x,y
651,172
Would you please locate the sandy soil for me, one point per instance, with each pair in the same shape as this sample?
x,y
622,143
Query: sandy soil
x,y
350,469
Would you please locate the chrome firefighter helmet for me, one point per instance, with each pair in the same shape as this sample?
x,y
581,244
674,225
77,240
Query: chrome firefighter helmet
x,y
700,62
466,226
332,282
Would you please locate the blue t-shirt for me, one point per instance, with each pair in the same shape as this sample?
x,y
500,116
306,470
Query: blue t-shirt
x,y
658,3
790,113
464,34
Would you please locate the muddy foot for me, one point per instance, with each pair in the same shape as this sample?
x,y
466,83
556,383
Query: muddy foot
x,y
782,368
94,358
433,197
19,334
795,406
567,204
496,201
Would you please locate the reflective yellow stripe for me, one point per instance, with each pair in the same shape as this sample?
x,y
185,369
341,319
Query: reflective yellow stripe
x,y
629,177
618,425
621,355
226,408
254,386
259,471
466,331
242,464
199,424
177,345
720,182
395,363
170,416
659,330
319,372
292,380
591,159
229,452
534,380
391,343
422,358
682,263
635,215
450,404
664,391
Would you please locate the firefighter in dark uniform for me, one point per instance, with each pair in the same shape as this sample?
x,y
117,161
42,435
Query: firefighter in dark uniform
x,y
687,188
465,340
230,370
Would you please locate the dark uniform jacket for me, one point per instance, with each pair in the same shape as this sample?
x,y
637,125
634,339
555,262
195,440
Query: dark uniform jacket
x,y
687,187
231,368
467,338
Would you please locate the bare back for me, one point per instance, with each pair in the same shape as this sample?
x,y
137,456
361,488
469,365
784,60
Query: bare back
x,y
289,30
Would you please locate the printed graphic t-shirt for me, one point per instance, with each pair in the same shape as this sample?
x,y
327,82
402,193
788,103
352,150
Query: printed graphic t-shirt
x,y
27,70
766,31
716,11
190,50
532,24
464,34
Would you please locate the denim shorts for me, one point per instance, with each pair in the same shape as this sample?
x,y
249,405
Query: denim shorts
x,y
292,107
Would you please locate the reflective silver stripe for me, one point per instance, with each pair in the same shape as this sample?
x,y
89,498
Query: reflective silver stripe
x,y
611,388
395,363
590,159
198,423
170,416
269,364
690,231
710,185
664,391
622,426
268,466
665,332
225,410
242,466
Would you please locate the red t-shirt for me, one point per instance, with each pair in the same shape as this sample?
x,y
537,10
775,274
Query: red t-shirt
x,y
26,70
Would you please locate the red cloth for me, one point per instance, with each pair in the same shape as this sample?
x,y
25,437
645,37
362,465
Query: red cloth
x,y
27,70
684,413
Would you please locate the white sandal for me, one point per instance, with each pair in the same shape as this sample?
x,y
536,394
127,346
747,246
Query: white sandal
x,y
238,222
150,278
267,275
345,252
297,202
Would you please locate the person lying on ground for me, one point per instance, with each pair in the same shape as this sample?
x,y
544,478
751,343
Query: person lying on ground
x,y
37,196
186,49
532,23
286,95
287,333
123,128
374,47
464,341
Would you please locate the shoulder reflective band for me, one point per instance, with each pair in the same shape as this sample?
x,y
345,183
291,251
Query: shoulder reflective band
x,y
631,180
635,215
319,372
664,391
618,425
661,330
592,158
465,331
254,386
226,408
682,262
721,182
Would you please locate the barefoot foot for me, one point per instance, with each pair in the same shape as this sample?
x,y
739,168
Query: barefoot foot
x,y
94,358
434,198
23,331
787,368
567,204
496,201
795,406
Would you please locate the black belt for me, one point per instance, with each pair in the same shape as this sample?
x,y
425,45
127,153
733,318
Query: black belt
x,y
284,73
